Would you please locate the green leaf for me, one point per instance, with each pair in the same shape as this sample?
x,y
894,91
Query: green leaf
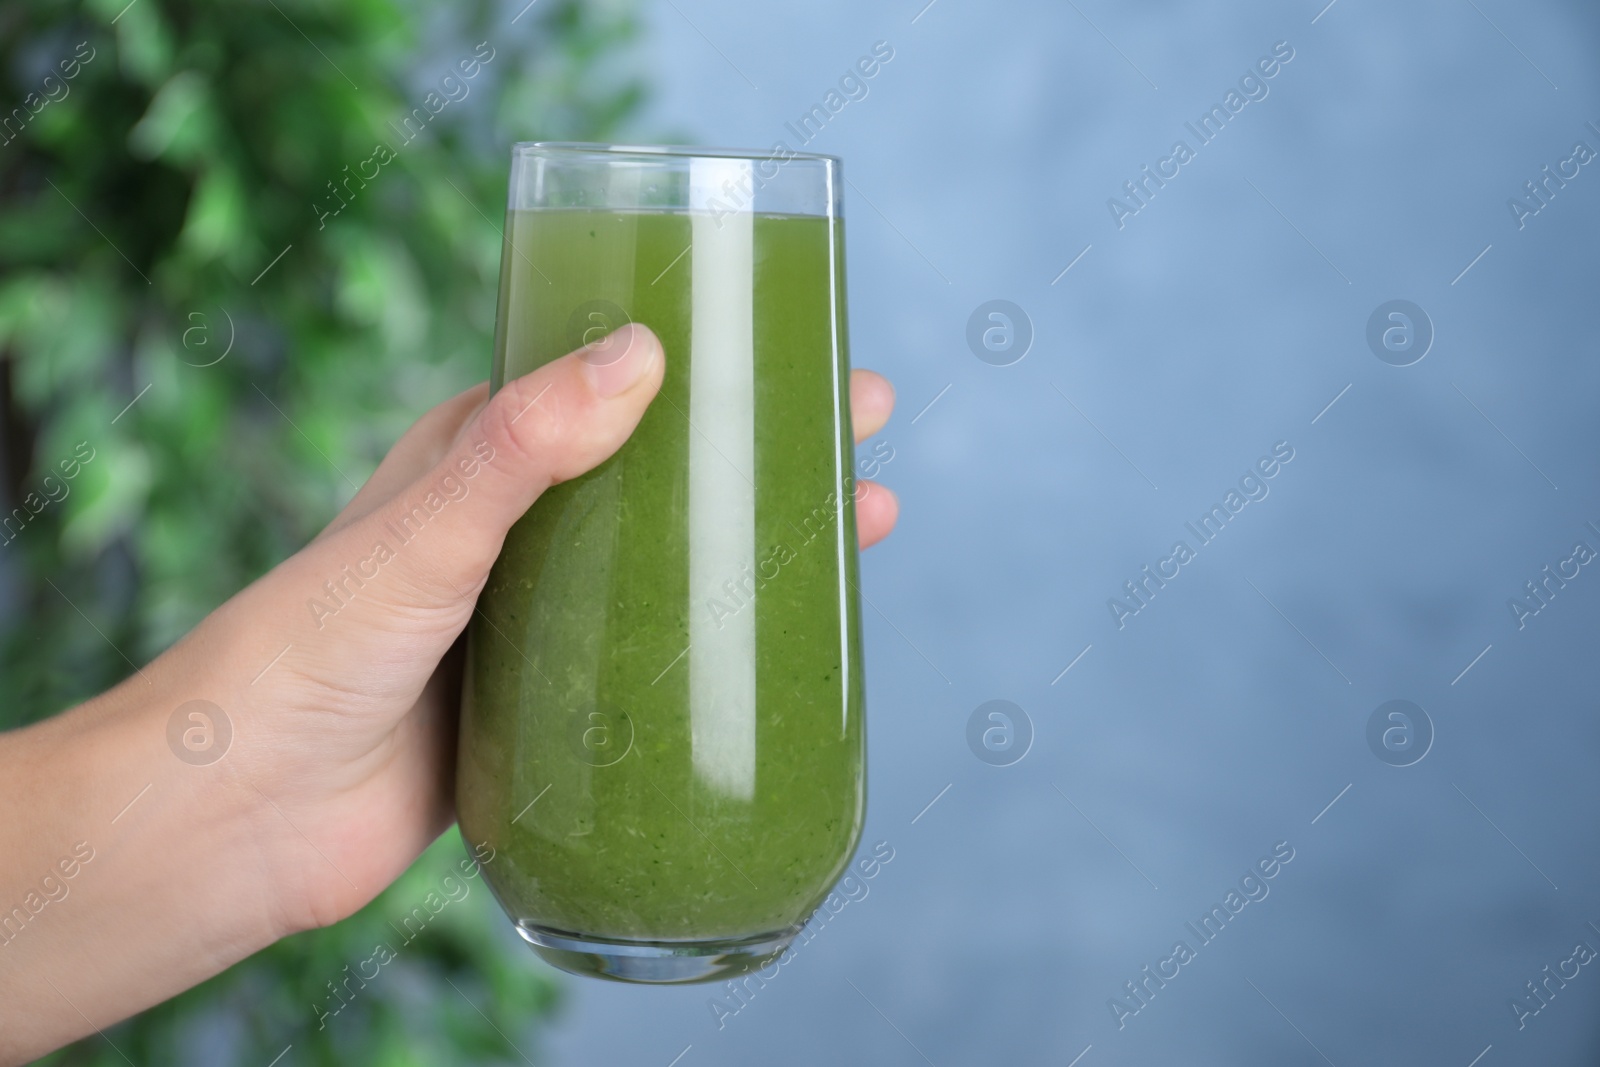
x,y
192,151
218,220
144,43
175,124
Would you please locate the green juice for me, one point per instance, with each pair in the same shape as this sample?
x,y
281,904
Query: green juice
x,y
662,714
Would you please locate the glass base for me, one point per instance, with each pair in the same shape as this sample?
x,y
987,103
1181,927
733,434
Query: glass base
x,y
659,962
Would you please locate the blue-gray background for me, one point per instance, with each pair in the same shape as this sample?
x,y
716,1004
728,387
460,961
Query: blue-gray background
x,y
1226,715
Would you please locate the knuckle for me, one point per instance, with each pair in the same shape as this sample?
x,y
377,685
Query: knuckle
x,y
529,418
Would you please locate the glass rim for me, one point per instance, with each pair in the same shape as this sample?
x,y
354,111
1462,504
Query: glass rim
x,y
603,150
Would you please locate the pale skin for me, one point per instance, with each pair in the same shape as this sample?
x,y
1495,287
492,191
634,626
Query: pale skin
x,y
340,769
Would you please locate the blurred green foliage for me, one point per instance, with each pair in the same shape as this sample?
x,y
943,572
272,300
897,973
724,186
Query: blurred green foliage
x,y
163,172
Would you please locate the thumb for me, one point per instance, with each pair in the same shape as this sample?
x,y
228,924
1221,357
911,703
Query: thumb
x,y
546,427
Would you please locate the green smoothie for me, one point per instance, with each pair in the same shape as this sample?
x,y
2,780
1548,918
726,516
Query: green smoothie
x,y
662,715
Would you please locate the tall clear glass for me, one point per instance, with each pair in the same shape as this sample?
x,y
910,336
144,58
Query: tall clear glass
x,y
661,730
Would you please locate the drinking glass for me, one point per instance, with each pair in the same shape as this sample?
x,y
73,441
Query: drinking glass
x,y
661,732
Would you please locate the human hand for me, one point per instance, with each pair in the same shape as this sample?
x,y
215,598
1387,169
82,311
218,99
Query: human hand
x,y
340,766
360,714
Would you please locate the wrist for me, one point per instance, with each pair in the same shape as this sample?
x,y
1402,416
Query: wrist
x,y
183,828
136,874
208,732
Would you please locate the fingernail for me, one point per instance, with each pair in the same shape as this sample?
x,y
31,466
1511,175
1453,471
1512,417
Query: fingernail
x,y
618,361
